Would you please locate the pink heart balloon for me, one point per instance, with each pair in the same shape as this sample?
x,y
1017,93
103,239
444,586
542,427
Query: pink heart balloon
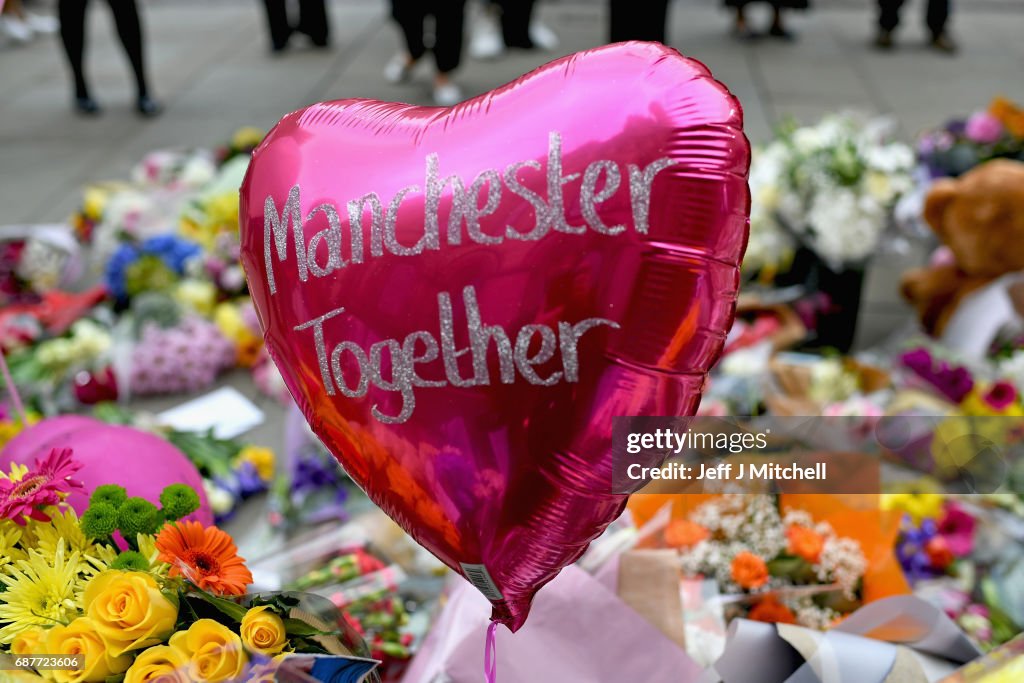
x,y
460,300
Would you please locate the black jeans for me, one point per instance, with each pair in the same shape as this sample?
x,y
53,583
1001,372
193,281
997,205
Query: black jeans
x,y
312,21
129,30
515,22
449,17
936,16
638,20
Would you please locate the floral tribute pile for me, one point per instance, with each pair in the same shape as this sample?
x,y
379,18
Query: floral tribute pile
x,y
173,311
138,591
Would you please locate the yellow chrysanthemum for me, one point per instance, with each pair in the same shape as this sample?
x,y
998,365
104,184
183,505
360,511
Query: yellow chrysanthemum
x,y
262,459
17,472
10,535
39,591
148,549
63,525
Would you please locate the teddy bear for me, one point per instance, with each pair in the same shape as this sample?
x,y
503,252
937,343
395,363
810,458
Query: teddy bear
x,y
979,217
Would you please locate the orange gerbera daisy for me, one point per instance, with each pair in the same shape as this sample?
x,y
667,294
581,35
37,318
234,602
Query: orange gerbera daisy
x,y
206,556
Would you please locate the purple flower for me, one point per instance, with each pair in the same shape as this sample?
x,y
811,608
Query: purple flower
x,y
249,482
952,382
983,128
956,127
911,550
919,360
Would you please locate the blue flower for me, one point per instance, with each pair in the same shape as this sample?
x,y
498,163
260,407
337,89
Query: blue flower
x,y
172,250
118,264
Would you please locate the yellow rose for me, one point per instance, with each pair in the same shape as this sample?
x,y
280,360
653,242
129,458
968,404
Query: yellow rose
x,y
215,653
161,663
129,610
29,642
263,631
81,638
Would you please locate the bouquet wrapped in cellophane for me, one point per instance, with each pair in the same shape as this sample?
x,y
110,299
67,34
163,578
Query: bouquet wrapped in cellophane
x,y
133,591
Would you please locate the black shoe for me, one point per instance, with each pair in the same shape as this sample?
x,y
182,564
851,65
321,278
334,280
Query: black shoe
x,y
744,33
148,107
943,43
87,106
777,31
883,41
316,38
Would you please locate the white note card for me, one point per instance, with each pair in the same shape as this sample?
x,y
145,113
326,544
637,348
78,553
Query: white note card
x,y
226,411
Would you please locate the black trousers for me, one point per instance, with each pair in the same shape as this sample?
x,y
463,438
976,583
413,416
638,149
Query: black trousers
x,y
129,30
638,20
312,21
515,22
449,18
936,15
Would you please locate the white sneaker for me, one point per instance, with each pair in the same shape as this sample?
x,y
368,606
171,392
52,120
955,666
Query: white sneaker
x,y
16,29
447,95
398,69
543,37
486,42
42,24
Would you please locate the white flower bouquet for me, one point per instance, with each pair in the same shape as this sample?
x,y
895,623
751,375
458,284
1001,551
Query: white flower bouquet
x,y
830,188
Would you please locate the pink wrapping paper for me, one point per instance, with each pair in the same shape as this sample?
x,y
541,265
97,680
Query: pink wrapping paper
x,y
579,630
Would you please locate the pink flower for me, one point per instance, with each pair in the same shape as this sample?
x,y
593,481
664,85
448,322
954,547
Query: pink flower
x,y
40,487
983,128
1001,395
957,527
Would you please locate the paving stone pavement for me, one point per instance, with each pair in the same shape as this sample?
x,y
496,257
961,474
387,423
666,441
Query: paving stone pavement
x,y
210,65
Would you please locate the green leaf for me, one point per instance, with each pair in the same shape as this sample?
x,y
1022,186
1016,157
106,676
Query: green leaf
x,y
787,565
226,607
296,627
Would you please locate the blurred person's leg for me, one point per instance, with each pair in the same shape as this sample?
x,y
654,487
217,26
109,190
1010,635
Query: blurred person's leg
x,y
450,18
515,22
129,30
937,17
888,20
313,21
72,36
410,16
638,20
277,21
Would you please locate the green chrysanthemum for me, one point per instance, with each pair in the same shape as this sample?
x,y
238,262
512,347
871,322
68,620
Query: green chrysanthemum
x,y
131,561
179,500
138,516
111,494
99,521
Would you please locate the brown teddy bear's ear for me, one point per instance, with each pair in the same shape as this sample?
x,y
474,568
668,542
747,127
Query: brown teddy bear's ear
x,y
939,196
